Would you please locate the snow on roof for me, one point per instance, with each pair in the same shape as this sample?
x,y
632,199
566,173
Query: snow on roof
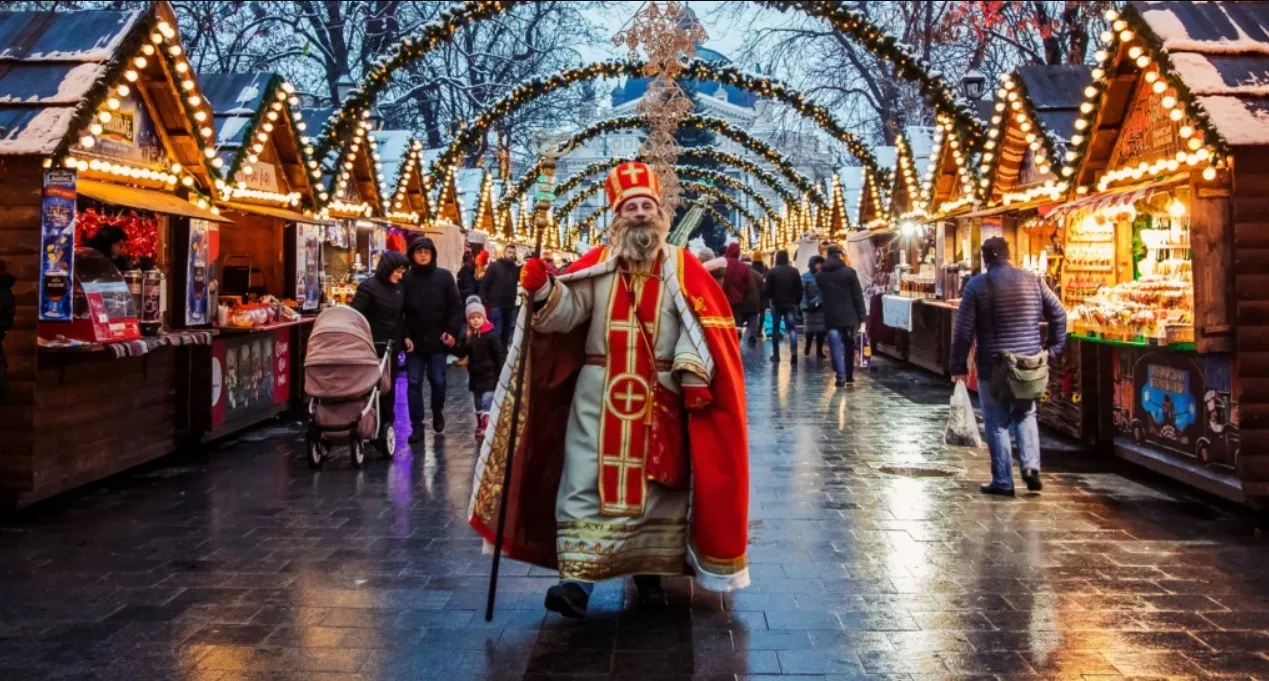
x,y
84,36
886,157
921,142
48,83
1220,51
1209,27
48,64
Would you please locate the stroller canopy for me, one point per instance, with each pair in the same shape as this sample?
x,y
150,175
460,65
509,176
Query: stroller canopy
x,y
341,359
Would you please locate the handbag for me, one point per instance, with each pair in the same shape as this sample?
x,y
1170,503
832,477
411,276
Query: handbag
x,y
1014,376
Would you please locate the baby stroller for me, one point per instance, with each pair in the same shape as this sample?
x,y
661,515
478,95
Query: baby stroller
x,y
343,377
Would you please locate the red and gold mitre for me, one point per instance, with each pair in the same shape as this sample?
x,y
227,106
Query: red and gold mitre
x,y
629,180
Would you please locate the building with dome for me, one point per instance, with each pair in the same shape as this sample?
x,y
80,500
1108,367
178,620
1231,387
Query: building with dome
x,y
810,154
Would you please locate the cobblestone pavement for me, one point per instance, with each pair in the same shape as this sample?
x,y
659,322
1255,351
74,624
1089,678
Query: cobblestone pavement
x,y
243,564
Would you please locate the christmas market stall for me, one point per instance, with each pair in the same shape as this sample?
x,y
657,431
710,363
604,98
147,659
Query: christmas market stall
x,y
354,209
107,154
266,264
1164,265
1020,184
401,155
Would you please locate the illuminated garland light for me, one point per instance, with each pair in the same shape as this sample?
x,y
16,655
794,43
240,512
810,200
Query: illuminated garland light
x,y
721,196
1013,105
99,106
282,101
474,131
1203,144
946,136
291,199
410,166
440,32
484,202
908,172
724,158
346,162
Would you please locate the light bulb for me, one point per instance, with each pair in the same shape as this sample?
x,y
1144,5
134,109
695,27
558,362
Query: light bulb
x,y
104,116
139,62
1209,173
87,141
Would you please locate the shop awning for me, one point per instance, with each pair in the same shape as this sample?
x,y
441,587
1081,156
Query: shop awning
x,y
1113,198
270,212
144,199
1010,208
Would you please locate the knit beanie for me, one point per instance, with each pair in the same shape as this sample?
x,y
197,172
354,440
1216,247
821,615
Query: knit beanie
x,y
473,306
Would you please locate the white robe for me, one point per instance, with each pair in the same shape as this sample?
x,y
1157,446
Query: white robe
x,y
592,545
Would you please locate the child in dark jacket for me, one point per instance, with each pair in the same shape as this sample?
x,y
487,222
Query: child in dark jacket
x,y
485,356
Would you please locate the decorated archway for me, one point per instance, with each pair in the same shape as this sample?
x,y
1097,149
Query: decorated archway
x,y
842,19
690,172
699,70
723,196
715,125
604,165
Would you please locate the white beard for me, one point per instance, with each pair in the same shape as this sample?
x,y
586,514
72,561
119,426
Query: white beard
x,y
638,242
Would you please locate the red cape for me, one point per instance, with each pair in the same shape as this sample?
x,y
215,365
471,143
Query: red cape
x,y
718,444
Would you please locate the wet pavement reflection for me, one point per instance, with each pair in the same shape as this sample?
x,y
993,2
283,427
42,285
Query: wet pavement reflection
x,y
873,558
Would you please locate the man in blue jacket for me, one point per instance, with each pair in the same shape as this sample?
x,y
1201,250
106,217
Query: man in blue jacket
x,y
433,317
1006,318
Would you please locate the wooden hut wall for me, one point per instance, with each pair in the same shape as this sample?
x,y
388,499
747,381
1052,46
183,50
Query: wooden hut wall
x,y
20,209
1250,201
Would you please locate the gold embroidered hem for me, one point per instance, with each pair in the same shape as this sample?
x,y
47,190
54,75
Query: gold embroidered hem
x,y
593,551
687,363
723,567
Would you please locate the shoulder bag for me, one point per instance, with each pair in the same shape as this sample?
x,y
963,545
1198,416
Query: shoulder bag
x,y
1013,376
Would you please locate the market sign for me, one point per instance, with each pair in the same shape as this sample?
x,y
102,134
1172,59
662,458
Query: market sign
x,y
1148,133
263,177
57,245
128,135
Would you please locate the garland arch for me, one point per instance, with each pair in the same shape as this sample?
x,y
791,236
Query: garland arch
x,y
690,152
842,19
721,196
686,171
476,129
715,125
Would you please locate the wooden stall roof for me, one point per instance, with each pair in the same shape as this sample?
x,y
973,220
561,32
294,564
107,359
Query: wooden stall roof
x,y
57,68
484,216
407,183
242,102
914,146
1048,99
366,175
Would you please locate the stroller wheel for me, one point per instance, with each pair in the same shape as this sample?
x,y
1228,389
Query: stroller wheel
x,y
357,449
388,441
314,451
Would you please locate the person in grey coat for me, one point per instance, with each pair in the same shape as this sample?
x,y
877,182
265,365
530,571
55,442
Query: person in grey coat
x,y
813,307
1005,317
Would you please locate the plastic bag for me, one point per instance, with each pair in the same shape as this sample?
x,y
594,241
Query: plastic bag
x,y
962,427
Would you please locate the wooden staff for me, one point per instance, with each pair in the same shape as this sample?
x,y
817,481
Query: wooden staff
x,y
545,195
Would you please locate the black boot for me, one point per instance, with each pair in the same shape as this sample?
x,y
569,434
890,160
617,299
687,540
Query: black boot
x,y
819,346
806,347
568,599
651,595
438,421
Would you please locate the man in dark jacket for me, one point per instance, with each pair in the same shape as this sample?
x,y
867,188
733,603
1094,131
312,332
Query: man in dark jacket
x,y
843,312
7,310
1002,310
499,291
433,318
467,284
784,290
379,299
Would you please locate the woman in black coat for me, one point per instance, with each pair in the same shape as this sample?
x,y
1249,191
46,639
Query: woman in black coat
x,y
379,299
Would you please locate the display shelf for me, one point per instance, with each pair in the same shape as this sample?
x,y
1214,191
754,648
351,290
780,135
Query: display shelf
x,y
1137,342
229,330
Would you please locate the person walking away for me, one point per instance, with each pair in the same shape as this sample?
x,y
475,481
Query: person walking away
x,y
1002,309
433,316
813,307
843,312
737,284
759,268
485,355
498,290
7,310
755,302
467,284
783,287
379,299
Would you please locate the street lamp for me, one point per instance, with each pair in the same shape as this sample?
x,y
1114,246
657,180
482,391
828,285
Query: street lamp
x,y
973,84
